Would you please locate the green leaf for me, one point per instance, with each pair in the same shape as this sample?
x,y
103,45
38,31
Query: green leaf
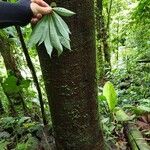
x,y
21,146
144,108
48,44
60,26
37,32
54,37
32,143
65,42
45,29
4,135
122,116
25,84
141,110
110,94
63,12
3,144
10,84
102,98
63,23
23,119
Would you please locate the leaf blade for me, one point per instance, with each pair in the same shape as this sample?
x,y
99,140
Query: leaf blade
x,y
110,94
63,11
54,37
60,26
36,33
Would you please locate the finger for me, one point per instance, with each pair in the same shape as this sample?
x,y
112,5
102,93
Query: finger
x,y
39,16
34,20
43,10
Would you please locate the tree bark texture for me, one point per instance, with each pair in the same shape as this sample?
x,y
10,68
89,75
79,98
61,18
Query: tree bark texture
x,y
1,107
102,33
99,47
70,82
11,67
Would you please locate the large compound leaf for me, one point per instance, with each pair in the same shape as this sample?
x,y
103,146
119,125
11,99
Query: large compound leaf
x,y
52,31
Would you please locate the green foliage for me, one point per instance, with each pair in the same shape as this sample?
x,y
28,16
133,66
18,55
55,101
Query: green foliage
x,y
10,84
7,122
141,12
56,31
141,109
3,144
26,132
32,143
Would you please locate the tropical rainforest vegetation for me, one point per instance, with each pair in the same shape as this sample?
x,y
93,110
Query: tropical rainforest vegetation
x,y
95,96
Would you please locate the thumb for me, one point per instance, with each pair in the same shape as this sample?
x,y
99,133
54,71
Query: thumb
x,y
36,9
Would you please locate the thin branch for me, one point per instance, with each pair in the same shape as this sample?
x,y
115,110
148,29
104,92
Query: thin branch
x,y
33,72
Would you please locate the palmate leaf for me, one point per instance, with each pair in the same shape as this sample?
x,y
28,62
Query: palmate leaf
x,y
52,31
60,26
63,12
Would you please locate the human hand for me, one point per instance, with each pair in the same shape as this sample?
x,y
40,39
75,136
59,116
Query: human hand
x,y
39,8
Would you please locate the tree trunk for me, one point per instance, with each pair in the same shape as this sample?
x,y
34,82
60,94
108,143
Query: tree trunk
x,y
99,49
70,82
1,107
102,33
11,67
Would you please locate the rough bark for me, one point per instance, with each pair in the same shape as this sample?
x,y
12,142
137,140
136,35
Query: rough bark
x,y
102,33
99,50
70,82
1,107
